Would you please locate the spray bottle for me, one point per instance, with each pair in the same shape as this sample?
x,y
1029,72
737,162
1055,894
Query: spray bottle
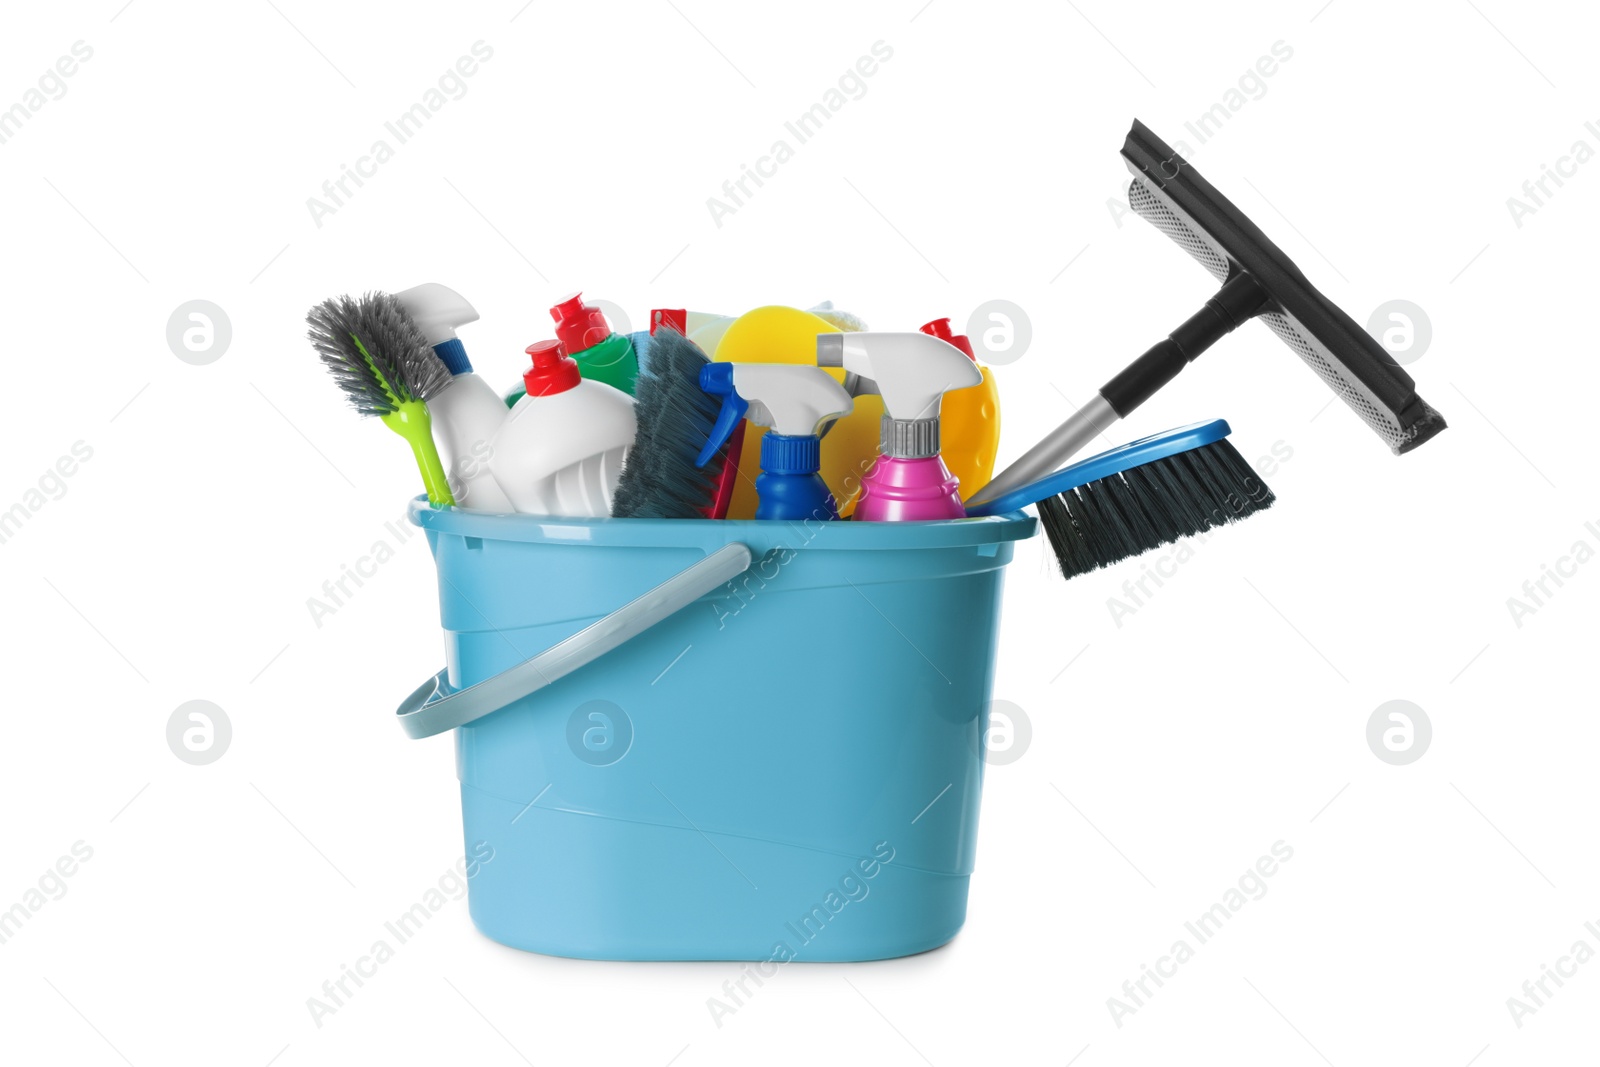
x,y
779,334
794,401
912,372
561,449
466,413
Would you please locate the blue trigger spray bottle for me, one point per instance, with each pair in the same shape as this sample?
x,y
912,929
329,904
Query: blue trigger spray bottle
x,y
793,400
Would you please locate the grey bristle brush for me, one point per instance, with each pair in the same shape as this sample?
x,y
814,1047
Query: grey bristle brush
x,y
384,364
675,417
1145,494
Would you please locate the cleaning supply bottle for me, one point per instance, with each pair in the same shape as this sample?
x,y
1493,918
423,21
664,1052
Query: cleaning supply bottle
x,y
466,412
969,420
601,355
560,451
912,372
793,401
697,326
779,334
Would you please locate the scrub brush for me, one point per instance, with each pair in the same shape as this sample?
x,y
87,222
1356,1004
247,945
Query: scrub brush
x,y
675,417
1145,494
384,364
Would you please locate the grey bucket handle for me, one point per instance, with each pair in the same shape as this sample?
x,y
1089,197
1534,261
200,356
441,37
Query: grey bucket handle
x,y
430,709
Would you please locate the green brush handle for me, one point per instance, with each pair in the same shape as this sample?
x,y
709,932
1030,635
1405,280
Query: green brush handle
x,y
412,422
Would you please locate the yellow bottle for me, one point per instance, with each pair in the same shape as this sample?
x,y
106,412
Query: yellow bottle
x,y
969,420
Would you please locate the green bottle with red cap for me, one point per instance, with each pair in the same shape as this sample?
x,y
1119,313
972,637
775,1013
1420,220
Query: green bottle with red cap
x,y
586,336
601,354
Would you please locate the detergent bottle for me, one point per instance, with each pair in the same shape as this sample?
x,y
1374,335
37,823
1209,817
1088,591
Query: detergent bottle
x,y
969,420
695,325
792,402
601,355
560,451
912,372
466,413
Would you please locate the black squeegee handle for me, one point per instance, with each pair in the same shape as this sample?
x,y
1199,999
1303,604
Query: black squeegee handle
x,y
1239,300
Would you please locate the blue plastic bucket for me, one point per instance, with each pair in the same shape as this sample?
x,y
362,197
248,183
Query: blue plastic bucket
x,y
788,768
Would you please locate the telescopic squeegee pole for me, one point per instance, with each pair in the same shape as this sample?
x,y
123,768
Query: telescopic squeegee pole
x,y
1239,300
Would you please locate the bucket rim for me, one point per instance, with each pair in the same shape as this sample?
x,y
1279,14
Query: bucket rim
x,y
687,533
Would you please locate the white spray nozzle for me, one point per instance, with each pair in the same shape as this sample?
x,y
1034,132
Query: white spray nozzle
x,y
792,399
911,370
437,309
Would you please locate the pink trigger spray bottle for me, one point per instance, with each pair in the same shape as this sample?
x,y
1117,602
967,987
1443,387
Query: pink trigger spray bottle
x,y
912,372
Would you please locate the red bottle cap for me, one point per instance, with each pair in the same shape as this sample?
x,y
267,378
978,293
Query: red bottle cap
x,y
676,318
940,328
553,371
579,326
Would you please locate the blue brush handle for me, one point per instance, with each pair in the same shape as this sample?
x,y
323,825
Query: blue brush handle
x,y
1125,457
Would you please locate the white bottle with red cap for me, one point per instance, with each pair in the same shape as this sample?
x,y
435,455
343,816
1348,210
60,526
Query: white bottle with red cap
x,y
466,413
560,450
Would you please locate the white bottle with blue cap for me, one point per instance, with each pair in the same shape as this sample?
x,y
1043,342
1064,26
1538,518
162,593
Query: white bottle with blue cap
x,y
467,412
794,400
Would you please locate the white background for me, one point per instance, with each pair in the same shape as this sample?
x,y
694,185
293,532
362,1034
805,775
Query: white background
x,y
1228,713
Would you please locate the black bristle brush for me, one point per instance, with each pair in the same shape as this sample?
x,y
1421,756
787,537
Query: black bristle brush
x,y
1145,494
675,417
380,358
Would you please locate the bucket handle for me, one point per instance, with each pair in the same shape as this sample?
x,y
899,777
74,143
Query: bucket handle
x,y
431,709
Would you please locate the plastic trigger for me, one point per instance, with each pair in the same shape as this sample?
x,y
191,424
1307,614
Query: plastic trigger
x,y
717,379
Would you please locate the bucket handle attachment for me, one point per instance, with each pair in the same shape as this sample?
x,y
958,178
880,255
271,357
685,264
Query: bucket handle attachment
x,y
431,709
